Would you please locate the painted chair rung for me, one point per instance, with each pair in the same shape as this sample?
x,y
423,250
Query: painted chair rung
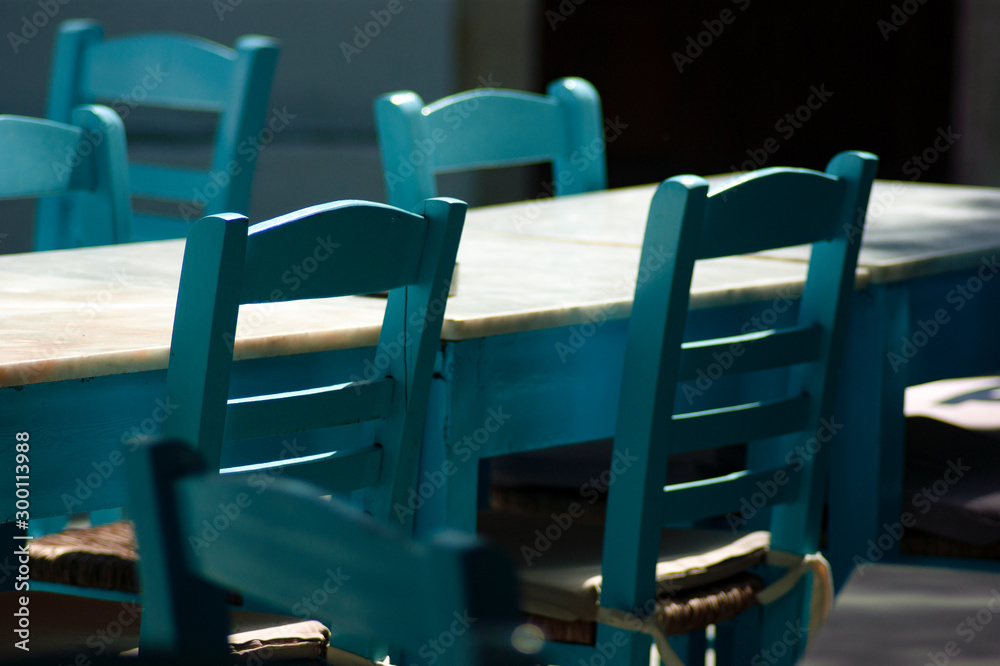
x,y
703,499
152,181
310,409
759,350
696,431
338,471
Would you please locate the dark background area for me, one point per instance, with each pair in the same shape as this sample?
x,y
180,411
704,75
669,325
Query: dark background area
x,y
893,87
889,96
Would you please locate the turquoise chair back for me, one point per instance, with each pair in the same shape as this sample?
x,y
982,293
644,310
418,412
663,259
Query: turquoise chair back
x,y
281,548
491,128
86,160
355,248
763,210
170,71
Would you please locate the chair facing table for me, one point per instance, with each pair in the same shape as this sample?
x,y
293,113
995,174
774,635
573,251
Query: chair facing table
x,y
486,128
171,71
645,582
342,248
86,160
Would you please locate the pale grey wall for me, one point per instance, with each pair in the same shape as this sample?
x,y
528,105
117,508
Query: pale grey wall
x,y
328,151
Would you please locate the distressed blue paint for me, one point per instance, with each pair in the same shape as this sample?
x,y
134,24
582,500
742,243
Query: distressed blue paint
x,y
85,162
405,590
172,71
490,128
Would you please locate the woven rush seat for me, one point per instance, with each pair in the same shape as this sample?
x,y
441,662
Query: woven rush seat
x,y
102,557
702,575
677,615
105,557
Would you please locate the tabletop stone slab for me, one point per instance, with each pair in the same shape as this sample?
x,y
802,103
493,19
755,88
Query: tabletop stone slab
x,y
912,229
74,314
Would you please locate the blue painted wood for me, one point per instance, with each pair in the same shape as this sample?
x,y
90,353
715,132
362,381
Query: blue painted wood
x,y
86,161
649,423
356,247
406,592
759,350
490,128
87,429
170,71
773,207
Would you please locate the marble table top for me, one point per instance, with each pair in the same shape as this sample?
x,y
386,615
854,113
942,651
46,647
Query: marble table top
x,y
525,266
97,311
912,229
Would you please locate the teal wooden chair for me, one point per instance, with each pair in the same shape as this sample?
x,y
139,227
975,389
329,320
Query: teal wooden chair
x,y
451,600
378,396
170,71
486,128
86,161
647,581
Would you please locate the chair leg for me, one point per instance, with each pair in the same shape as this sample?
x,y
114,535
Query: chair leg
x,y
690,648
737,641
784,626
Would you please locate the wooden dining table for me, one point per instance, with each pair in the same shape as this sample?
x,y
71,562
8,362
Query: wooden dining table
x,y
532,342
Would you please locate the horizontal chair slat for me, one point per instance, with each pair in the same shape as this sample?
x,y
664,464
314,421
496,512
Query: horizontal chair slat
x,y
759,350
337,471
166,183
696,431
311,409
813,200
340,548
703,499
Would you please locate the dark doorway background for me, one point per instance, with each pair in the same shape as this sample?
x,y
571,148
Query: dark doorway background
x,y
891,88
